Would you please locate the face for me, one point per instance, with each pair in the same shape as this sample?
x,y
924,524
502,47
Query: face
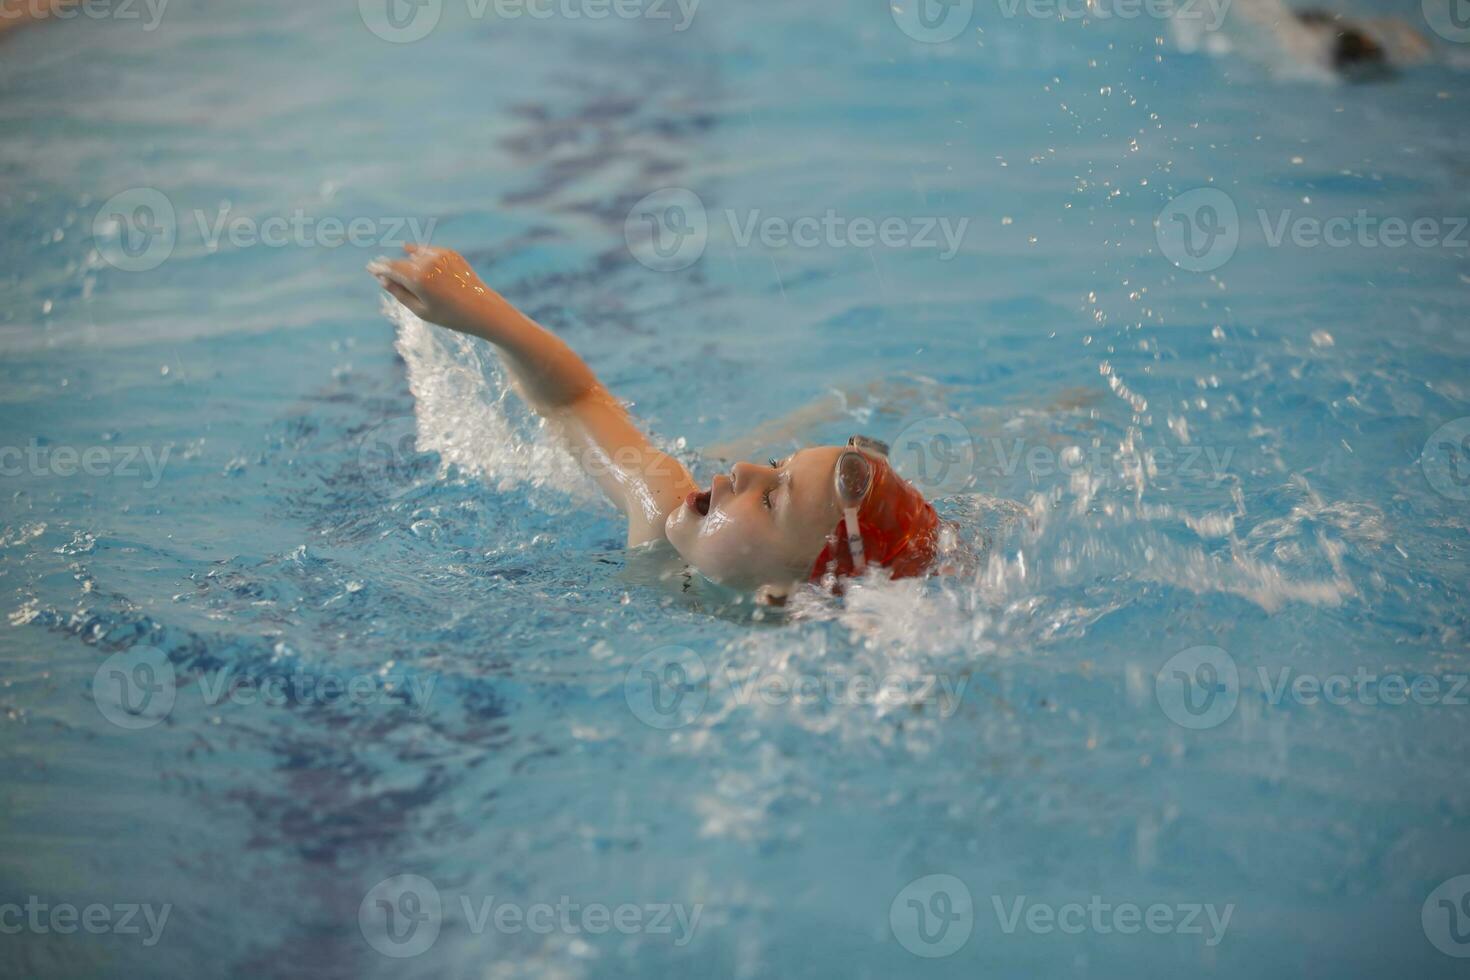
x,y
760,526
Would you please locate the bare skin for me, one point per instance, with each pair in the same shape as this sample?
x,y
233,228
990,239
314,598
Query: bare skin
x,y
1345,44
14,13
758,528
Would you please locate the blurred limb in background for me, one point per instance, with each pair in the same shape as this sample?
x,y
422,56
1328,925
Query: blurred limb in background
x,y
1311,40
15,13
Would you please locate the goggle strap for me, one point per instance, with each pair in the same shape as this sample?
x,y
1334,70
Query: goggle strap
x,y
854,538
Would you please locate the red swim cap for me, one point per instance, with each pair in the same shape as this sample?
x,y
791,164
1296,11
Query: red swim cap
x,y
899,529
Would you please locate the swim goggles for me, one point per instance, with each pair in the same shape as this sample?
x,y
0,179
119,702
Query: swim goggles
x,y
885,520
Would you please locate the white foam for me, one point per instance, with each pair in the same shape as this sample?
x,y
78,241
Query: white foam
x,y
467,412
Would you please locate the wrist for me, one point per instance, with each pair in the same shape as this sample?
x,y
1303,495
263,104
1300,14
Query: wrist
x,y
474,315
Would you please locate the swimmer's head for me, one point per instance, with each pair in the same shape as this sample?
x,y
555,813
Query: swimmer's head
x,y
768,528
1353,51
1356,52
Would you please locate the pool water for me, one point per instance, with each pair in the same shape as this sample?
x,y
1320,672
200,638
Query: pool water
x,y
232,468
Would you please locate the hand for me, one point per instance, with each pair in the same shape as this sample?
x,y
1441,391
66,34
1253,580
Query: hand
x,y
437,284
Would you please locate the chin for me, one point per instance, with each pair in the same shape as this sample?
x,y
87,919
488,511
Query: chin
x,y
716,572
679,532
712,558
739,578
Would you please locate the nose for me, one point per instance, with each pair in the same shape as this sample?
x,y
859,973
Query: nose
x,y
747,475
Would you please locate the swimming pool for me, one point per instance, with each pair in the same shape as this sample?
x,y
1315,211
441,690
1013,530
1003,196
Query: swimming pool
x,y
1157,731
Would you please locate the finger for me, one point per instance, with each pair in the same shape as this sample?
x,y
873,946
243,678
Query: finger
x,y
405,297
423,257
399,272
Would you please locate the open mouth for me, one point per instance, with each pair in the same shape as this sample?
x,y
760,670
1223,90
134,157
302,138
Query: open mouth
x,y
698,501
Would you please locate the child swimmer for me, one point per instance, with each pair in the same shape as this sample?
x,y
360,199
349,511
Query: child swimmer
x,y
821,514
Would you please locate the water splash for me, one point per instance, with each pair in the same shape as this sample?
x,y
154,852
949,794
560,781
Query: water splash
x,y
467,412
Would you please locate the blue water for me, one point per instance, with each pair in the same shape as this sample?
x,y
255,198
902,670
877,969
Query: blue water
x,y
336,496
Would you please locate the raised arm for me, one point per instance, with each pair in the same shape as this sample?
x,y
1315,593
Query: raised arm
x,y
646,484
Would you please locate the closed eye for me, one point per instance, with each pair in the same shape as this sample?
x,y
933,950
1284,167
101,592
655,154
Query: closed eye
x,y
766,497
